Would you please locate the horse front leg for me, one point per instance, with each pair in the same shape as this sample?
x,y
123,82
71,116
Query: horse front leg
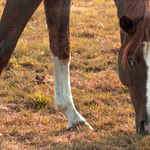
x,y
15,17
57,14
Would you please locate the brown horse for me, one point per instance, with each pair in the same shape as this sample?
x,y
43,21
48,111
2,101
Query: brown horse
x,y
14,19
134,57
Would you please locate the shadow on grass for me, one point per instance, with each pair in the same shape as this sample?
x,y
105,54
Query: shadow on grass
x,y
119,143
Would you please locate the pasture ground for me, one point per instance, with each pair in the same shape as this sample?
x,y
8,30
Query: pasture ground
x,y
28,118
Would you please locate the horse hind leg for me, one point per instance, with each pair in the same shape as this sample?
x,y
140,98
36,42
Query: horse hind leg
x,y
15,17
57,13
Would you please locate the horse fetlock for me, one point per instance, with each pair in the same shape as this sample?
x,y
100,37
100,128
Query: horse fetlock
x,y
66,106
61,108
75,119
63,103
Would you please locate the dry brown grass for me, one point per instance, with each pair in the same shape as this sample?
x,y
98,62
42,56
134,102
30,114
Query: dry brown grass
x,y
28,119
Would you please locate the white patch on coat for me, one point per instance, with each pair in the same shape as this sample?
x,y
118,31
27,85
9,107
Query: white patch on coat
x,y
147,60
63,96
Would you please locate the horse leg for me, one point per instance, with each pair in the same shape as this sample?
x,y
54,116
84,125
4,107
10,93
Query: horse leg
x,y
15,17
57,14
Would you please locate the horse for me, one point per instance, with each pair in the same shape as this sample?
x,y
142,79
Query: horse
x,y
134,57
133,62
15,16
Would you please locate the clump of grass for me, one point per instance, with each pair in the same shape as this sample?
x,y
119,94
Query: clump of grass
x,y
38,101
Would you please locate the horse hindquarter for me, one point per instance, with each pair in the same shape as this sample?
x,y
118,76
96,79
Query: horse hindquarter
x,y
15,17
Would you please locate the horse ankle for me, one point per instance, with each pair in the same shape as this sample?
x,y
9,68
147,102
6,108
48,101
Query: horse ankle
x,y
63,103
69,110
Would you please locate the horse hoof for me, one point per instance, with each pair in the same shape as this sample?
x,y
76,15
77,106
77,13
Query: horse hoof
x,y
75,125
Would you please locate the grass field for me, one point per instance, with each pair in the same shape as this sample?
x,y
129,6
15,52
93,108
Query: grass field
x,y
28,118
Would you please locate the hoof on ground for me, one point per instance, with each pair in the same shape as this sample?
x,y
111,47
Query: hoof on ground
x,y
78,124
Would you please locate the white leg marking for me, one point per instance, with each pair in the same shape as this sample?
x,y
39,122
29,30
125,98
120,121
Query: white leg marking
x,y
63,96
147,60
